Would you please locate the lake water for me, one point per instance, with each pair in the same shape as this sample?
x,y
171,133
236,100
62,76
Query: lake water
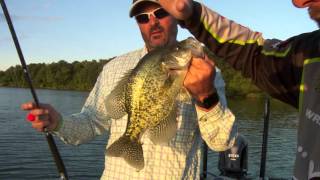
x,y
24,153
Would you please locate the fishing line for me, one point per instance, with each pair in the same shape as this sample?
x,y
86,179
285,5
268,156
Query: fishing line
x,y
54,151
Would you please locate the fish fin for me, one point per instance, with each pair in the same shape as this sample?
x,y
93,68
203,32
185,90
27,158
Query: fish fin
x,y
165,130
184,96
130,150
167,80
115,101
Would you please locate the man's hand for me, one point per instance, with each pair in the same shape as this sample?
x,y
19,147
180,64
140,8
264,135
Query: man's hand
x,y
180,9
199,80
44,117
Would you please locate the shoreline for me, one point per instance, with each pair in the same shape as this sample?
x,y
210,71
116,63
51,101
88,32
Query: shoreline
x,y
52,89
247,96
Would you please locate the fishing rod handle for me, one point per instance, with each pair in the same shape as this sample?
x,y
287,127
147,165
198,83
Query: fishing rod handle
x,y
54,151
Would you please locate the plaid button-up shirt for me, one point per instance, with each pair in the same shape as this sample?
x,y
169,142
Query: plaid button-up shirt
x,y
180,158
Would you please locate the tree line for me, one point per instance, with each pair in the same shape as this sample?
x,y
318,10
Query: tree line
x,y
83,75
58,75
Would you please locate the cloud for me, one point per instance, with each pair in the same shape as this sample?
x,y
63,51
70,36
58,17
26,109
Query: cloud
x,y
32,18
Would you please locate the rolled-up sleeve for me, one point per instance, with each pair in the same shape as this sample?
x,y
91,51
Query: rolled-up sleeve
x,y
92,120
218,126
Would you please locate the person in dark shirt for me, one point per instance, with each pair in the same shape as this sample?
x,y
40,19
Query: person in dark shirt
x,y
288,70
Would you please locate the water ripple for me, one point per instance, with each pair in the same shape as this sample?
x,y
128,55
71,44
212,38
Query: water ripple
x,y
24,153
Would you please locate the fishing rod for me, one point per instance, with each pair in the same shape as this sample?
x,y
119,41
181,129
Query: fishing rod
x,y
204,161
50,140
265,138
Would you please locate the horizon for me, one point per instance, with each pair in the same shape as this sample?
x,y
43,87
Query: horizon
x,y
50,31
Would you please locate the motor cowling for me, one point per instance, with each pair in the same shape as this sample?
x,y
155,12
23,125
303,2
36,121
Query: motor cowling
x,y
233,162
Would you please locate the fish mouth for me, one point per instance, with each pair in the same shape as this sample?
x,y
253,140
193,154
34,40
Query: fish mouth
x,y
176,69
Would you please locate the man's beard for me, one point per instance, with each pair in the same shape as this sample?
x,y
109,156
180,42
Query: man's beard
x,y
314,13
317,21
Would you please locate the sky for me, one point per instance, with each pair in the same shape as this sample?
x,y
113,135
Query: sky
x,y
53,30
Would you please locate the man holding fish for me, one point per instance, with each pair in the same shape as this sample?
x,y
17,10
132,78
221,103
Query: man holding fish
x,y
156,103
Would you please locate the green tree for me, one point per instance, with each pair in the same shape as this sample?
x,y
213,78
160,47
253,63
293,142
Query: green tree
x,y
83,75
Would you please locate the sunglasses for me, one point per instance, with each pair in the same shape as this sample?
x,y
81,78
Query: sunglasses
x,y
159,13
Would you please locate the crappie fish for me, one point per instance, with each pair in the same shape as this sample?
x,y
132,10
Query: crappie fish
x,y
149,94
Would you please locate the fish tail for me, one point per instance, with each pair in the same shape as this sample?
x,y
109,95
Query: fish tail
x,y
128,149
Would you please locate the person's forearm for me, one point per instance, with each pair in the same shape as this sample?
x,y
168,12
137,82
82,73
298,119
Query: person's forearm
x,y
217,127
261,60
222,36
217,123
79,128
91,121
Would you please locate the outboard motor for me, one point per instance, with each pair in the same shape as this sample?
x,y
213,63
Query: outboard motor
x,y
233,162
